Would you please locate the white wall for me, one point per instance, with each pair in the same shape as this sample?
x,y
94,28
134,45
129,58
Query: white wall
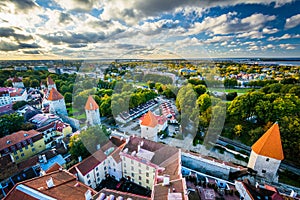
x,y
149,132
269,165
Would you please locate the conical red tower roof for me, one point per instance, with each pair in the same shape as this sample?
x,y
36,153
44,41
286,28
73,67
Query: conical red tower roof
x,y
269,144
54,95
91,104
149,119
50,81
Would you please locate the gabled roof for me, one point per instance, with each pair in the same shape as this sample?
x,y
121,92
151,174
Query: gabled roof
x,y
65,186
269,144
91,162
149,119
54,95
50,81
91,104
16,80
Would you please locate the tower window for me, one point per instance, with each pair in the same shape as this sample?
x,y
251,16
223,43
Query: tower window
x,y
267,159
263,171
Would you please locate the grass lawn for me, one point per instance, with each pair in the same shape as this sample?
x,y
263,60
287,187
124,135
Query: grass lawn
x,y
238,90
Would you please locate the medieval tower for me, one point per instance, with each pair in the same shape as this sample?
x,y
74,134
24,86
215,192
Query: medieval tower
x,y
56,103
92,112
267,154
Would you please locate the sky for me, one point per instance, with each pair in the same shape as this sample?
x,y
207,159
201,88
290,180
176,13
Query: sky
x,y
155,29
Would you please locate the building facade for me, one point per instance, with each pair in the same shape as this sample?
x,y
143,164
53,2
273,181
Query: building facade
x,y
22,144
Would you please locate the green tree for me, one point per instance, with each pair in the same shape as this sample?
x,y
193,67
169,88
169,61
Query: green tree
x,y
34,83
68,97
77,148
10,123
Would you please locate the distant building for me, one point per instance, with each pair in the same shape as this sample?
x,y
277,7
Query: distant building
x,y
56,103
22,144
267,154
92,112
17,82
152,124
54,185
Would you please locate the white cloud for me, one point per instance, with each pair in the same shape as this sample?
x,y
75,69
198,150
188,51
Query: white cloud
x,y
284,37
269,46
270,31
251,34
292,21
287,46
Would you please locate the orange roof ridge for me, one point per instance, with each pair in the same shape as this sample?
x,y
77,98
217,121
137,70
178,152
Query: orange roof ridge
x,y
91,104
54,95
149,119
269,144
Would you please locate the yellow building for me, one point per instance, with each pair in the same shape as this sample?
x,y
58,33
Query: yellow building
x,y
22,144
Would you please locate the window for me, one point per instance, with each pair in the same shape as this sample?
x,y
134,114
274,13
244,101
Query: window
x,y
114,169
96,168
132,168
33,149
26,147
88,176
124,164
104,168
22,154
267,159
97,174
147,174
89,182
132,174
147,181
98,179
140,171
140,183
17,157
147,168
15,153
263,171
21,150
139,164
131,161
140,178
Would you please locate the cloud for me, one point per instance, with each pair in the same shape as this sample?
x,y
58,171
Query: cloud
x,y
18,5
152,28
227,24
292,21
251,34
78,5
77,45
11,32
13,46
284,37
287,46
270,31
32,52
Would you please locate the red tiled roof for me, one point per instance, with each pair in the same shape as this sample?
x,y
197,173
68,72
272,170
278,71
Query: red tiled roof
x,y
16,80
125,195
50,81
65,187
91,162
91,104
149,119
54,95
17,138
54,168
269,144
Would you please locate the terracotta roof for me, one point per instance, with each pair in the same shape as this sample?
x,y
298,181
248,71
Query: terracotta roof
x,y
54,95
149,119
17,137
91,104
65,187
16,80
50,81
54,168
269,144
91,162
117,194
176,186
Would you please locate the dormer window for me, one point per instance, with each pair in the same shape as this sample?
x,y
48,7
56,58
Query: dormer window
x,y
8,142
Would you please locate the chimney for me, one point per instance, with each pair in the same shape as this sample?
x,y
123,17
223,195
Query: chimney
x,y
98,146
88,195
50,183
142,143
139,148
44,158
166,180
